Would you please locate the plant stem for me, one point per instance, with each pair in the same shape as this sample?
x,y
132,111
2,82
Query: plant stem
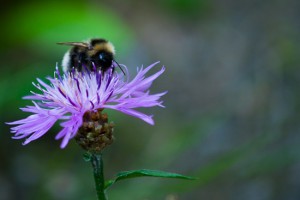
x,y
97,163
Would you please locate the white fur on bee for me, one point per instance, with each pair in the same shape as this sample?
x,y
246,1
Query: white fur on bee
x,y
66,61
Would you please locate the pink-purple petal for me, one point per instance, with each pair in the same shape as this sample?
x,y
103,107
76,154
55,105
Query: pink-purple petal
x,y
67,99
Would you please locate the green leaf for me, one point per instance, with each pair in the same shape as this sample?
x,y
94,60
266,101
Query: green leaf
x,y
145,172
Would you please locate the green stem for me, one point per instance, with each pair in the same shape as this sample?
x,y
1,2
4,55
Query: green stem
x,y
97,163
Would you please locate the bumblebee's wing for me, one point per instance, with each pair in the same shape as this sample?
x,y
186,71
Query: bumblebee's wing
x,y
78,44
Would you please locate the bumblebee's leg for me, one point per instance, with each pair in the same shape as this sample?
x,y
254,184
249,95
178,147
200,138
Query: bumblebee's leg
x,y
113,69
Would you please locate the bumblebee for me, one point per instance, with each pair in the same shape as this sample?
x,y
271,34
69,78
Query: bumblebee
x,y
96,52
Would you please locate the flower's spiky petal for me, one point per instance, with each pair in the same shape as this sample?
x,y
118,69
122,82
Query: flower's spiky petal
x,y
134,113
68,96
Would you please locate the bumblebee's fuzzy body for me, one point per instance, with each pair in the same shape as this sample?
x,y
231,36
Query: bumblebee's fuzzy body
x,y
83,54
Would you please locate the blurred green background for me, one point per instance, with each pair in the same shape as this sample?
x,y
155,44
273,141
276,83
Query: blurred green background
x,y
232,111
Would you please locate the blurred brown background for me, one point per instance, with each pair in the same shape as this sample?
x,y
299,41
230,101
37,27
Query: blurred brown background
x,y
232,110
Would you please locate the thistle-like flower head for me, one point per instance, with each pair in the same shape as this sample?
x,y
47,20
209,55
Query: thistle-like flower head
x,y
67,97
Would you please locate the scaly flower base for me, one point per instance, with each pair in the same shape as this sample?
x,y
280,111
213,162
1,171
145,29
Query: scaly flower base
x,y
95,133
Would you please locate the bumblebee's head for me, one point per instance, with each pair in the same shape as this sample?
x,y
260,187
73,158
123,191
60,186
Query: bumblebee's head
x,y
103,59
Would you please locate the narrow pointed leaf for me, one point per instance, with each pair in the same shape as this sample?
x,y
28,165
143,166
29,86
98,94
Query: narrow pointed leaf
x,y
145,172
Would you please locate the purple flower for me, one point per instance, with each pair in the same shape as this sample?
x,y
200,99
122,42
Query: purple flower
x,y
70,95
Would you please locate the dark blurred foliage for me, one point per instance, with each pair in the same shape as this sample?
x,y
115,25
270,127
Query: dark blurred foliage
x,y
232,110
